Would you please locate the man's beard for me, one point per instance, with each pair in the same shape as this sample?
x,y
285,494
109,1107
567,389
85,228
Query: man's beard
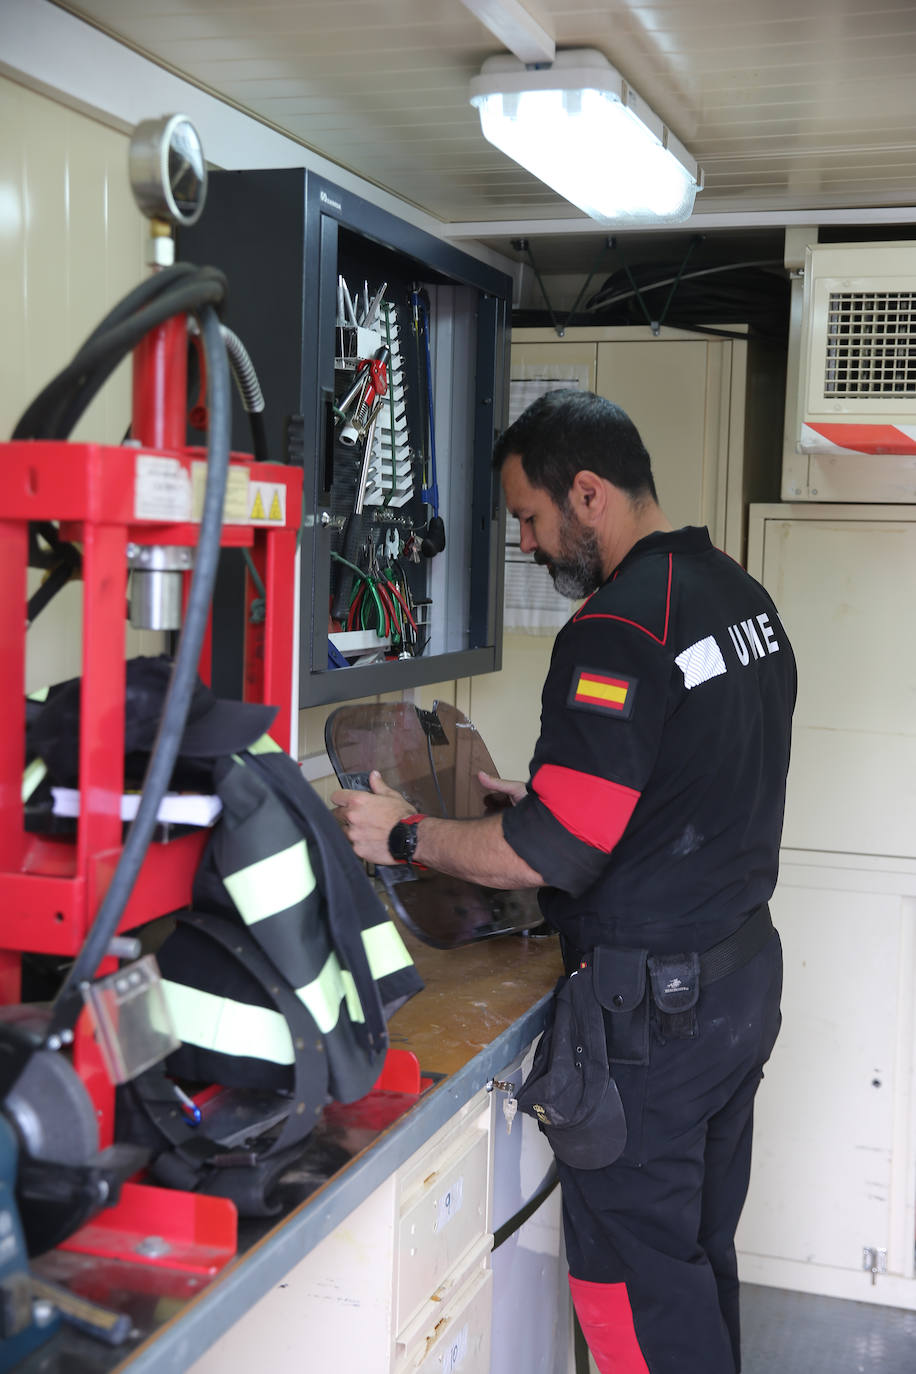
x,y
578,569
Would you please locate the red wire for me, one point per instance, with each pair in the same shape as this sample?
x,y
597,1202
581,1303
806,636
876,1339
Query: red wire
x,y
400,598
381,587
354,606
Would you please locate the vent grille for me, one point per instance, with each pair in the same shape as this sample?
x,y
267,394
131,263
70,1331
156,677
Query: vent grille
x,y
871,344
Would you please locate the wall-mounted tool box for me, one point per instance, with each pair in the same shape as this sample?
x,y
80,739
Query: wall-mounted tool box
x,y
381,352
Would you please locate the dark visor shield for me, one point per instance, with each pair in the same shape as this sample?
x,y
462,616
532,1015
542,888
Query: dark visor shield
x,y
432,758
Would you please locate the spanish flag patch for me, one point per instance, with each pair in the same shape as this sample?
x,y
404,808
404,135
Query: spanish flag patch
x,y
610,694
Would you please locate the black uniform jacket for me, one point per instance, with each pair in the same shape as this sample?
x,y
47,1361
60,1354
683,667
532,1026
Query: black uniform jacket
x,y
655,803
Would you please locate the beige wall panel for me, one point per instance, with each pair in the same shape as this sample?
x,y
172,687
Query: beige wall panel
x,y
825,1114
71,245
71,241
506,706
46,344
663,388
841,586
13,388
556,361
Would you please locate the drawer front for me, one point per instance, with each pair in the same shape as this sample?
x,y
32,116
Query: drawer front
x,y
459,1343
440,1222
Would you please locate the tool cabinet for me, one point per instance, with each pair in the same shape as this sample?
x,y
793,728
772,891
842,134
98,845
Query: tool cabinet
x,y
403,1285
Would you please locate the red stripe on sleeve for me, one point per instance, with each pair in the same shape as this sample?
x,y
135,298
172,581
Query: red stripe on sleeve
x,y
593,809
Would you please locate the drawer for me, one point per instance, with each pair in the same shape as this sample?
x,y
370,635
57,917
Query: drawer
x,y
471,1120
442,1218
458,1341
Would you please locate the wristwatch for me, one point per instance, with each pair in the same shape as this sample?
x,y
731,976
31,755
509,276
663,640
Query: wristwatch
x,y
402,841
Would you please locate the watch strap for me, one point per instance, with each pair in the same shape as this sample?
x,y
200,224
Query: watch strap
x,y
400,831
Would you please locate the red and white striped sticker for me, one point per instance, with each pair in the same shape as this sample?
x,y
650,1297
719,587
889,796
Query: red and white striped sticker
x,y
899,439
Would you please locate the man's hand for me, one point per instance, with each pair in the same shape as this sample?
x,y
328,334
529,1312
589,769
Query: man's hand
x,y
500,791
368,817
475,850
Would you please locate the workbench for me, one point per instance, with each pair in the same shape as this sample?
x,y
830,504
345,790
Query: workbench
x,y
481,1008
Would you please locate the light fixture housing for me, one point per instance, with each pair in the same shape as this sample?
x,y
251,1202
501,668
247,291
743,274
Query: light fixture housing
x,y
580,127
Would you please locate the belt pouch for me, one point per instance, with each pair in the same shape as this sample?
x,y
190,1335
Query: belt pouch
x,y
620,985
675,980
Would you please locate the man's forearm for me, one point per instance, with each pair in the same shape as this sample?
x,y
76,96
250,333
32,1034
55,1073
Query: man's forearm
x,y
475,850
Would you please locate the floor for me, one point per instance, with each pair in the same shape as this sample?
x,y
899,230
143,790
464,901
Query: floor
x,y
795,1333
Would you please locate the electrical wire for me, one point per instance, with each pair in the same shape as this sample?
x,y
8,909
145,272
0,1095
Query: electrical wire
x,y
68,1003
601,302
392,616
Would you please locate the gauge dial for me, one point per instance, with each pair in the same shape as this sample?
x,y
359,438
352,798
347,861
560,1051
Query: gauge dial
x,y
168,173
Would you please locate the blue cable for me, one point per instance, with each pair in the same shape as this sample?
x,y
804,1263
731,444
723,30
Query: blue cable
x,y
429,494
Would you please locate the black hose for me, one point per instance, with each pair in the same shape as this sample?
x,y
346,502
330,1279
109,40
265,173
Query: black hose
x,y
258,436
147,290
55,411
68,1002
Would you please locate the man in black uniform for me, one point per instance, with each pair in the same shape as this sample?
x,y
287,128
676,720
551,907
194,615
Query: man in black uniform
x,y
651,822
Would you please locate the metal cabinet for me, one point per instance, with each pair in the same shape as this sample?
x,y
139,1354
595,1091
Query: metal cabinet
x,y
390,404
405,1273
833,1186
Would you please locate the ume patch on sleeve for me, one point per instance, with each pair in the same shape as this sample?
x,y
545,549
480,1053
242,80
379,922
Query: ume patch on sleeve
x,y
610,694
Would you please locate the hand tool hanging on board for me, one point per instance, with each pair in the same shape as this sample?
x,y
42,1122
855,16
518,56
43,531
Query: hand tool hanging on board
x,y
355,531
391,478
366,397
434,540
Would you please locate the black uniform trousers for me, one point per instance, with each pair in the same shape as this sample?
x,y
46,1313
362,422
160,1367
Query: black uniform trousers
x,y
662,1218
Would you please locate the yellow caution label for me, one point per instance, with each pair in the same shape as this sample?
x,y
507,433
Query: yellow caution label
x,y
247,502
266,503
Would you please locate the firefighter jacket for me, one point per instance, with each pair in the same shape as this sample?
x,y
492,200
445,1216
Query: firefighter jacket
x,y
327,965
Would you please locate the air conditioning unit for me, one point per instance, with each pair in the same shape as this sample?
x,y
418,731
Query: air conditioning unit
x,y
855,421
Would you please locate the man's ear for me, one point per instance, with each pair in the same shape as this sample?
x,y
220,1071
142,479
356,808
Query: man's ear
x,y
588,496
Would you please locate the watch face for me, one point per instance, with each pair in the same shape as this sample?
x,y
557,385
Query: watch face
x,y
402,841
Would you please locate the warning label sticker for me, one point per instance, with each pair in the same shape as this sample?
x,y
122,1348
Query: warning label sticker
x,y
235,502
266,503
246,502
162,489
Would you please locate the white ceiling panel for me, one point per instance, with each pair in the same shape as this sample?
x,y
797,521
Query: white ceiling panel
x,y
786,104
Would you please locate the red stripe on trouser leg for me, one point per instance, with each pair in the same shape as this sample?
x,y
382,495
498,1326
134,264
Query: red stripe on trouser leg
x,y
606,1319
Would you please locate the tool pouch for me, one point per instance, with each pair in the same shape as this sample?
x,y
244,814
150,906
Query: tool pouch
x,y
620,985
675,980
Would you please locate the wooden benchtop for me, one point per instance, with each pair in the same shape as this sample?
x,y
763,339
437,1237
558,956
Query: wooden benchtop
x,y
471,995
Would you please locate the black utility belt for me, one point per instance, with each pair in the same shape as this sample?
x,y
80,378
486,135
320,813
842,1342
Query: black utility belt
x,y
624,977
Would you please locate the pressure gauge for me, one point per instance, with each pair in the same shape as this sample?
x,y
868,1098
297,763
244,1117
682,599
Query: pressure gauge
x,y
168,173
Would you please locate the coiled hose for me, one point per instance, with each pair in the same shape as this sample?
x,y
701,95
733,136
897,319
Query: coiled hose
x,y
52,415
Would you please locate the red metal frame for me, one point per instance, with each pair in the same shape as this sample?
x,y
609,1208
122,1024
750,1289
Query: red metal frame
x,y
52,888
198,1233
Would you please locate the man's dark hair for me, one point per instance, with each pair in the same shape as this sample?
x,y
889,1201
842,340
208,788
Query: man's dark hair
x,y
563,432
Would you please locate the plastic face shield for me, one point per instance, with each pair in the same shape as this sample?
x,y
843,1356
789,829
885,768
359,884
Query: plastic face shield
x,y
432,758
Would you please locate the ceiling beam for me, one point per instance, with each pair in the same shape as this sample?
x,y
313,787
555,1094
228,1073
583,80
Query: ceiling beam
x,y
517,28
733,219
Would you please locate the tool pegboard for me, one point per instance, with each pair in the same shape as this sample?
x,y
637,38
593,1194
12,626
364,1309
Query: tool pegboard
x,y
381,352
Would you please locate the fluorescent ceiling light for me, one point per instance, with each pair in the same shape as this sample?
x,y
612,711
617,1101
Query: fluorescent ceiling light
x,y
579,127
